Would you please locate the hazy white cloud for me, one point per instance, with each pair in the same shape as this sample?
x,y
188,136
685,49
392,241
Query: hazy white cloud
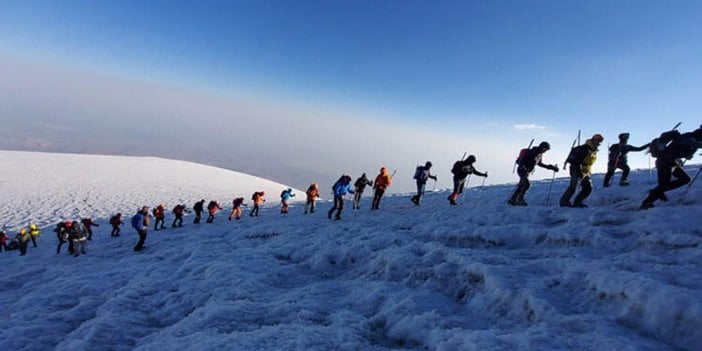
x,y
530,126
74,111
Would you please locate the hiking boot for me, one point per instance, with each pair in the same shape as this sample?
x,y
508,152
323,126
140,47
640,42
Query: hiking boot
x,y
623,182
452,202
579,205
415,201
329,215
565,204
662,197
521,202
512,202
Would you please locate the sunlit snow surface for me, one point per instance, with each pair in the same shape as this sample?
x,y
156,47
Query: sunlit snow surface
x,y
480,276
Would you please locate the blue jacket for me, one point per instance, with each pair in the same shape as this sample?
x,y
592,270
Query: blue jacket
x,y
342,189
286,195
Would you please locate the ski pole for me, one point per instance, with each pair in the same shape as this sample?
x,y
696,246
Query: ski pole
x,y
548,197
482,188
690,185
514,168
433,189
465,188
650,170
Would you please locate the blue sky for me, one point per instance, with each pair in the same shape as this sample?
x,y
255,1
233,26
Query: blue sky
x,y
459,67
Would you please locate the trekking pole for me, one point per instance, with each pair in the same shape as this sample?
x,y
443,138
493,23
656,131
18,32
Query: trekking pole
x,y
650,170
690,185
480,192
548,197
465,188
433,189
576,140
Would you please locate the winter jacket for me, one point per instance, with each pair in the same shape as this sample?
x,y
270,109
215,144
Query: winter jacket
x,y
383,180
286,195
34,231
584,156
258,198
23,236
159,212
531,159
213,206
461,169
79,232
361,183
342,188
199,206
3,239
236,203
424,175
178,210
116,220
312,193
618,152
88,222
141,221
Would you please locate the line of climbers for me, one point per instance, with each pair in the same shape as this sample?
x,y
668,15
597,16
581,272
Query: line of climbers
x,y
669,149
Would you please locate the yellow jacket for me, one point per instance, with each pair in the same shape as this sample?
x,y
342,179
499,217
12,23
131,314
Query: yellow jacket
x,y
34,230
590,158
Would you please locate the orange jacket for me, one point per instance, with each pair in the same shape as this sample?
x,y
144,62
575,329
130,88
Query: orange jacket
x,y
258,198
383,180
312,194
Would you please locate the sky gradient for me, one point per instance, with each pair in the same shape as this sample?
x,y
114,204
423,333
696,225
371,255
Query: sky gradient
x,y
478,76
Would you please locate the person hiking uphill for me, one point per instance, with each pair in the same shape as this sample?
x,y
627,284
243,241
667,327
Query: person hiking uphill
x,y
359,187
618,159
140,222
340,188
115,222
199,207
526,162
236,208
89,224
422,174
581,159
34,232
312,195
23,237
79,238
178,212
382,183
285,196
212,208
160,217
257,199
3,240
669,151
461,169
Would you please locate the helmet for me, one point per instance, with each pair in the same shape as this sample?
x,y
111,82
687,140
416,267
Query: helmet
x,y
597,137
544,146
428,164
383,169
263,193
623,136
470,159
314,185
290,189
23,231
32,226
68,224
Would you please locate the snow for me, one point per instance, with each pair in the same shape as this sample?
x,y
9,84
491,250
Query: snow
x,y
480,276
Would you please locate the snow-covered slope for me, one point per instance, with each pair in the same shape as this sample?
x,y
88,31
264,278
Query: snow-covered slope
x,y
47,187
480,276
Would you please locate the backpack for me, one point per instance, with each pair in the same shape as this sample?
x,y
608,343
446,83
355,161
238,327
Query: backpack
x,y
336,184
114,220
254,196
521,159
457,167
577,154
419,173
136,221
658,145
211,205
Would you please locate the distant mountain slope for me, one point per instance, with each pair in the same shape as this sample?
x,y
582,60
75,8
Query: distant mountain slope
x,y
47,187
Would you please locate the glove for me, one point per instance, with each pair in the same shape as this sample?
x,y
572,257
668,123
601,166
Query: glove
x,y
554,168
486,174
